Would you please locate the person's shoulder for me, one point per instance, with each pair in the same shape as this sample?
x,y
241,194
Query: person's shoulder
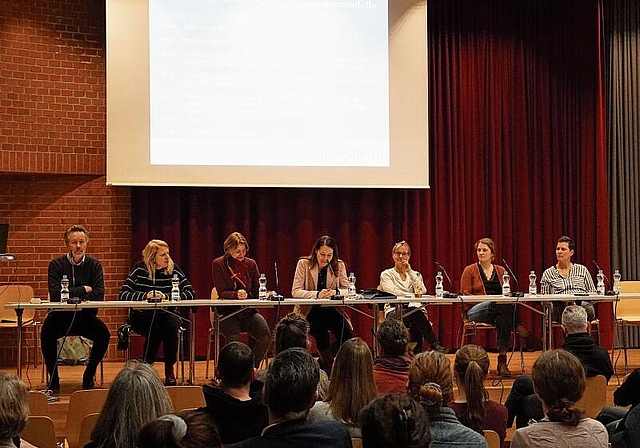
x,y
387,272
58,260
304,262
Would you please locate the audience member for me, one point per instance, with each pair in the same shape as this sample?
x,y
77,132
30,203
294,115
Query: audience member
x,y
431,384
625,431
394,421
473,407
391,367
86,282
135,398
290,391
293,331
351,387
559,381
188,429
14,411
522,404
236,404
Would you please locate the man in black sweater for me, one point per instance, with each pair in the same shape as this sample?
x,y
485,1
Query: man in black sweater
x,y
86,282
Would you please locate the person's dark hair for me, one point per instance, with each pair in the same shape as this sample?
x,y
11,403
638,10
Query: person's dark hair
x,y
234,240
14,405
393,337
291,383
292,331
235,365
188,429
489,243
394,421
568,240
559,381
471,367
430,380
328,241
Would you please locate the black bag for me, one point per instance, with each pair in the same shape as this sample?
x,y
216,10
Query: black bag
x,y
123,336
376,294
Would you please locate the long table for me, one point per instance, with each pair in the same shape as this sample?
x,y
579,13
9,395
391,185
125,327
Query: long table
x,y
528,301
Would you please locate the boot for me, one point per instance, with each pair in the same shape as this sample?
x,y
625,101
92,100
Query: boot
x,y
325,360
88,378
502,370
169,376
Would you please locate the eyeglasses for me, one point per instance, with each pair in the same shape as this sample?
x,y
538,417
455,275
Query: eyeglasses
x,y
402,254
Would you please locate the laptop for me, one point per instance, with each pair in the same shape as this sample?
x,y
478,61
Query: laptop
x,y
4,236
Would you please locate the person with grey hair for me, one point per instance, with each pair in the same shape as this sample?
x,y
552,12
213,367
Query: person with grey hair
x,y
14,411
289,392
135,398
522,403
391,367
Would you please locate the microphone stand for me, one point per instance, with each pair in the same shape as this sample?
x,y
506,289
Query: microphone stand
x,y
515,293
447,294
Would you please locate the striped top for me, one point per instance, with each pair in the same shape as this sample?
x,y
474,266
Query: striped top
x,y
578,280
138,284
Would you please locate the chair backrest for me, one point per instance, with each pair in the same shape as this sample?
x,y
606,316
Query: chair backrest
x,y
185,397
15,293
595,396
88,422
81,404
38,403
40,431
628,309
492,438
630,286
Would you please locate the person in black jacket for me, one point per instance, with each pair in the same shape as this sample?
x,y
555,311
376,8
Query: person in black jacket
x,y
86,281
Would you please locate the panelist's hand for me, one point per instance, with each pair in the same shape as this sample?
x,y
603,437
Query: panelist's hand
x,y
242,294
326,293
154,293
88,289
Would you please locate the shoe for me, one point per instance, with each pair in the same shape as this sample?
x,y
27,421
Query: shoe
x,y
502,370
87,380
170,378
437,347
532,343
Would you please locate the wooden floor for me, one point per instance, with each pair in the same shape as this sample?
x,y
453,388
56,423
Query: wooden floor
x,y
71,379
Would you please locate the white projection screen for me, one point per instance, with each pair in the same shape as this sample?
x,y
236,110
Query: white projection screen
x,y
272,93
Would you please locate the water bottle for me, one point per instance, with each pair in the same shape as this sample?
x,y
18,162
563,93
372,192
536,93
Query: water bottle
x,y
64,291
262,290
506,286
417,285
175,290
439,287
600,285
351,292
533,290
616,281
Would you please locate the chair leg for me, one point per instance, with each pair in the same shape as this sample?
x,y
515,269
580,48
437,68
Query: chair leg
x,y
206,368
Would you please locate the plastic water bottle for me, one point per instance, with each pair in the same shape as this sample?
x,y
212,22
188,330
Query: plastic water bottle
x,y
600,285
351,292
506,286
417,286
439,286
533,289
64,291
262,290
175,290
616,282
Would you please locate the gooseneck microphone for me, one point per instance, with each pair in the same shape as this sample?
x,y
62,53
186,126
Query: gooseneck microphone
x,y
515,293
337,295
447,294
600,269
275,295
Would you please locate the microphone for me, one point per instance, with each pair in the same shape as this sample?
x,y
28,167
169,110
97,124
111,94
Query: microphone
x,y
515,293
337,295
600,269
276,296
447,294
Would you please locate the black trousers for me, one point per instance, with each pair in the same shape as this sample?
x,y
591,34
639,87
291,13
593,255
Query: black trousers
x,y
158,326
86,324
327,319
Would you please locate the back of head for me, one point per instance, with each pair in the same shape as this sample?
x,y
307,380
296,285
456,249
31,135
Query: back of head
x,y
135,398
291,383
394,421
188,429
393,337
352,385
559,381
471,367
292,331
430,380
235,365
574,319
14,405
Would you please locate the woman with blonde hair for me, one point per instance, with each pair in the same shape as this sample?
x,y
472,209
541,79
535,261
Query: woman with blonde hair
x,y
14,411
431,384
472,406
151,279
351,388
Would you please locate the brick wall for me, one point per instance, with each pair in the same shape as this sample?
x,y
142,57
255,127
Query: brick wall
x,y
53,144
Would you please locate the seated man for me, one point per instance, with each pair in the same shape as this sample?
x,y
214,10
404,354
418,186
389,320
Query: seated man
x,y
236,404
86,282
391,367
289,392
293,331
523,404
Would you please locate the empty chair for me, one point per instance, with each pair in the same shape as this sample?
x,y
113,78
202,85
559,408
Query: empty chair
x,y
38,403
88,422
185,397
81,404
40,432
493,440
595,396
627,313
8,318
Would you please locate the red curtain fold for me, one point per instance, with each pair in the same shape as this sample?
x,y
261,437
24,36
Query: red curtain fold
x,y
517,143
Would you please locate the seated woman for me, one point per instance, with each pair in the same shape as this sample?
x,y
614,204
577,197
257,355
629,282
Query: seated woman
x,y
394,421
188,429
151,278
351,387
401,280
14,411
318,276
431,385
135,398
235,276
472,406
485,278
559,381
